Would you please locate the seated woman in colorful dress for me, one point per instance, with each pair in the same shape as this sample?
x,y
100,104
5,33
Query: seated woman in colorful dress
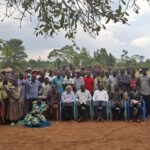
x,y
36,118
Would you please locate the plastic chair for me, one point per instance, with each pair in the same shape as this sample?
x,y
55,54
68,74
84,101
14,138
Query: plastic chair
x,y
108,110
73,104
91,110
128,113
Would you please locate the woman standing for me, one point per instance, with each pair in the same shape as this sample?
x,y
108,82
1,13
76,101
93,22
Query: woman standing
x,y
15,107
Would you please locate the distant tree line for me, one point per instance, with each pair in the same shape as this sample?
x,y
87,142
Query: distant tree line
x,y
13,55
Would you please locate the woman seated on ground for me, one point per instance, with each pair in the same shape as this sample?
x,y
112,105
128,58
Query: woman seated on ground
x,y
135,104
68,97
36,118
117,99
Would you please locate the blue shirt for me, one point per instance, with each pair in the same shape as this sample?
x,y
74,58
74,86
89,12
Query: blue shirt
x,y
58,83
33,89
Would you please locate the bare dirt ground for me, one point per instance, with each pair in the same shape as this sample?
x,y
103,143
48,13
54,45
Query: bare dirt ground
x,y
78,136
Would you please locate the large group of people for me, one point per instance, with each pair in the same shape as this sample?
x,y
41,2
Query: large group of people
x,y
37,95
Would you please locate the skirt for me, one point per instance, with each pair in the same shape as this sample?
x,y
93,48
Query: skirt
x,y
15,111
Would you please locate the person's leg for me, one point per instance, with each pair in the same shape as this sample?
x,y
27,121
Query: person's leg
x,y
97,109
113,109
104,110
147,103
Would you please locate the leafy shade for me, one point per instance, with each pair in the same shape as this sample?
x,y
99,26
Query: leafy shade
x,y
54,15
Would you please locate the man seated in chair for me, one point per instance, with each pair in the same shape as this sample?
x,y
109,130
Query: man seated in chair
x,y
100,99
117,99
83,98
68,97
135,104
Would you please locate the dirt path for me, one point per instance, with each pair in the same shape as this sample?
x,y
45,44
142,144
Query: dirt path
x,y
78,136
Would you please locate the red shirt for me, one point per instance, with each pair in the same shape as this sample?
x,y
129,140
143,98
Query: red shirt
x,y
89,83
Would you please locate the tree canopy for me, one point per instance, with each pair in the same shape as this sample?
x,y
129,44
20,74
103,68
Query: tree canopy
x,y
54,15
13,54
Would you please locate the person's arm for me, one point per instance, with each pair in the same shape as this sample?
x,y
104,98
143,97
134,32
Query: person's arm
x,y
73,97
94,96
106,96
40,88
63,97
89,96
77,96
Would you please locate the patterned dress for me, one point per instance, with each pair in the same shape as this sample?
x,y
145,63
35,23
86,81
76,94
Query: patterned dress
x,y
35,118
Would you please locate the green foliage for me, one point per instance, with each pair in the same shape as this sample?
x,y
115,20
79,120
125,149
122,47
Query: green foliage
x,y
13,54
55,15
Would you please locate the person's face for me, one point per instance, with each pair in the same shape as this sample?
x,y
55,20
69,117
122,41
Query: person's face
x,y
58,74
68,90
144,72
53,88
114,74
83,88
68,76
122,71
46,80
88,75
100,87
21,76
33,78
78,74
133,74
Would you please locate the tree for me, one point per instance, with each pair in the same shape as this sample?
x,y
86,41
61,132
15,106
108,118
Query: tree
x,y
101,56
13,54
111,61
54,15
84,57
64,56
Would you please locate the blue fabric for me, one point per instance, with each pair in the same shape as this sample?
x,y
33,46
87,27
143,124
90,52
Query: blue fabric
x,y
44,124
33,89
58,83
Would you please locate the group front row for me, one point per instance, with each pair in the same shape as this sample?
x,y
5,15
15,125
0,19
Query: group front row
x,y
117,105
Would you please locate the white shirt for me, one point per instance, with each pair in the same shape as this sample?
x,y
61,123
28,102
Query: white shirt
x,y
83,97
68,97
68,81
100,95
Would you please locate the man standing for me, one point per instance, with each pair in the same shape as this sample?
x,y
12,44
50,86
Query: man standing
x,y
89,83
33,90
83,97
78,81
112,81
58,83
144,84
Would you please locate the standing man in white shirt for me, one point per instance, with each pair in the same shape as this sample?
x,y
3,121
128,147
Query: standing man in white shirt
x,y
100,99
83,98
